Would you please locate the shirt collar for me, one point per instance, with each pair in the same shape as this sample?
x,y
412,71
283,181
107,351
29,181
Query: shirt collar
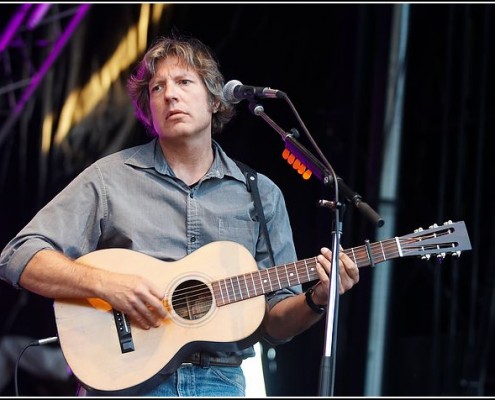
x,y
149,155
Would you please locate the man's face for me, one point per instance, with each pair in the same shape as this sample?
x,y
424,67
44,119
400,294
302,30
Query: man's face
x,y
179,101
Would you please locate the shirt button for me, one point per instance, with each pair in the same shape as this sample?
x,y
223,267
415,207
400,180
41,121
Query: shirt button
x,y
193,239
191,195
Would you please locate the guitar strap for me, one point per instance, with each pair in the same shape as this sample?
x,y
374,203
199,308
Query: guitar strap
x,y
252,186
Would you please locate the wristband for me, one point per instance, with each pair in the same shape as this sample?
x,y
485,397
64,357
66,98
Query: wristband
x,y
309,300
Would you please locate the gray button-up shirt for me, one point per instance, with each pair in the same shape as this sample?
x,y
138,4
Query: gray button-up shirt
x,y
132,199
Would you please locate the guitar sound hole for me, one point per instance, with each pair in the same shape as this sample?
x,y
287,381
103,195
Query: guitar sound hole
x,y
192,300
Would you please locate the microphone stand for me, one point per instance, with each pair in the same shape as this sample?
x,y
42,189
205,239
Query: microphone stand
x,y
327,175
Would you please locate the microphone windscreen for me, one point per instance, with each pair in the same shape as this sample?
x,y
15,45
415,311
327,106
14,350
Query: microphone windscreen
x,y
228,91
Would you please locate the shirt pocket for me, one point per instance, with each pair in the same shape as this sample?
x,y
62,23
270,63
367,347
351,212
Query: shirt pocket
x,y
241,231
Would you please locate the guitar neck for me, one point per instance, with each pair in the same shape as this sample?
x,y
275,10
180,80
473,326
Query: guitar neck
x,y
242,287
375,253
450,238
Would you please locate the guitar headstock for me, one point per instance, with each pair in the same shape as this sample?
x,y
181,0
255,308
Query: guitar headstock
x,y
449,238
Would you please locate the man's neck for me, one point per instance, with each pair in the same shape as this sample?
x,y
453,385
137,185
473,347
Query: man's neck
x,y
189,162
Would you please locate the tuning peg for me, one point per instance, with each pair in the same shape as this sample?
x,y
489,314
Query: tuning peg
x,y
418,230
449,222
426,256
456,254
433,226
441,256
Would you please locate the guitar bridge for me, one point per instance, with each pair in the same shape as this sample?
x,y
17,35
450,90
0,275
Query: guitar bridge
x,y
124,332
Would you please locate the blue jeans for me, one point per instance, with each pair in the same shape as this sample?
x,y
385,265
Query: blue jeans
x,y
194,381
188,380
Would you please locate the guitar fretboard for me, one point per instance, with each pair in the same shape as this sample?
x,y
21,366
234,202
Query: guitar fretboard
x,y
257,283
241,287
420,243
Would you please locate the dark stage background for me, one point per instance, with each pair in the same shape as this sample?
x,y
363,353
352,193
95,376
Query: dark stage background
x,y
333,62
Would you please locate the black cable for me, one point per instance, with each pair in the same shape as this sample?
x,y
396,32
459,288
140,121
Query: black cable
x,y
33,343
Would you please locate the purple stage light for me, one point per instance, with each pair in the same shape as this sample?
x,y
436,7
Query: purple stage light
x,y
13,26
37,15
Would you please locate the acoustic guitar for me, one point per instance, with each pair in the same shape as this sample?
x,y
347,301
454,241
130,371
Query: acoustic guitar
x,y
215,302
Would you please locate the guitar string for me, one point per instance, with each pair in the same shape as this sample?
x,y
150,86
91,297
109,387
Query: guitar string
x,y
360,258
359,254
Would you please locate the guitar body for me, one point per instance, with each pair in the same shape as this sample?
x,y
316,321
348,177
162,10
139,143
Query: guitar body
x,y
88,328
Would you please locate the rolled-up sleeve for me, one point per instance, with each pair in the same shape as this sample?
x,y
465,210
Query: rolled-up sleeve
x,y
68,223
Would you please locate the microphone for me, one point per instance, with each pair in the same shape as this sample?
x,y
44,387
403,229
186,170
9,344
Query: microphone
x,y
234,91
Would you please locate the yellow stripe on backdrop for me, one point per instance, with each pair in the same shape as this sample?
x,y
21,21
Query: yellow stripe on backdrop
x,y
81,102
